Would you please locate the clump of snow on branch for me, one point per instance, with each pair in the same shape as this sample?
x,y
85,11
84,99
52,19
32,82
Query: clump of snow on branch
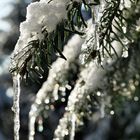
x,y
57,74
91,78
43,15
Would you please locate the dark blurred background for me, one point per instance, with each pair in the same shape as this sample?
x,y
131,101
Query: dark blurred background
x,y
12,12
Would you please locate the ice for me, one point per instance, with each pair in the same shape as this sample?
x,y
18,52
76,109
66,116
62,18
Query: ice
x,y
16,106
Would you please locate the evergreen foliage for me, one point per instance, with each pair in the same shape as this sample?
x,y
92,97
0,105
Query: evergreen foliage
x,y
95,90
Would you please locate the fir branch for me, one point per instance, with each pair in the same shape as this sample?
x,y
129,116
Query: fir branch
x,y
39,52
106,21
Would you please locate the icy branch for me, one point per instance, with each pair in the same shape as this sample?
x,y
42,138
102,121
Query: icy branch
x,y
45,15
58,74
41,20
91,78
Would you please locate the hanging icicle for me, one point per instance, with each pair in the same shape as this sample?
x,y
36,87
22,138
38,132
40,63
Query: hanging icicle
x,y
73,121
16,105
32,117
98,43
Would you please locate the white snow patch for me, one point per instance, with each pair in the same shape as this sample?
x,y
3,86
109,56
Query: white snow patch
x,y
41,15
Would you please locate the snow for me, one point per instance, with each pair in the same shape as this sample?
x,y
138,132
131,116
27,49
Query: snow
x,y
90,79
93,77
44,14
57,74
41,15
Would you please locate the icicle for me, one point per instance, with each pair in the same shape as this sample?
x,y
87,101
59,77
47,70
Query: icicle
x,y
72,135
102,108
16,108
32,118
90,79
